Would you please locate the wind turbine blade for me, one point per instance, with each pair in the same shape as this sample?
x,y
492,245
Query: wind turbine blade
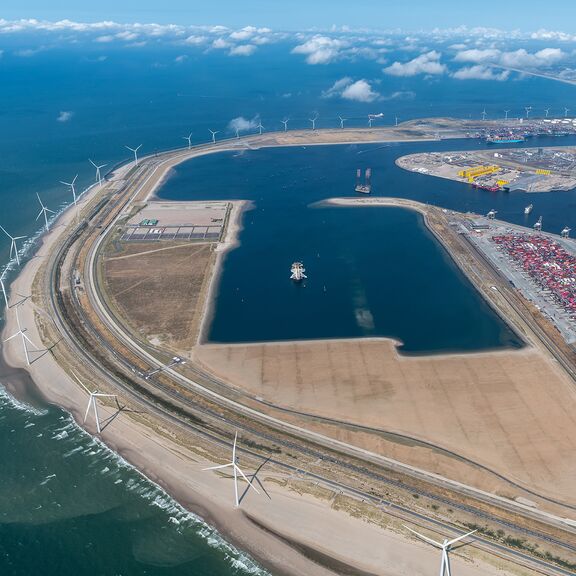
x,y
88,408
237,468
13,336
19,237
460,538
4,230
29,341
40,214
80,382
92,163
425,538
219,467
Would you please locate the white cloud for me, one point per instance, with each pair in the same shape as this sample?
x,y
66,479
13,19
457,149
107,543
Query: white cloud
x,y
243,124
338,87
127,35
195,40
180,59
480,72
248,32
520,58
478,56
543,34
427,63
400,95
243,50
65,116
220,44
104,39
320,49
347,88
361,91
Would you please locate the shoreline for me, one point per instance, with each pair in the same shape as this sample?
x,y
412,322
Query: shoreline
x,y
181,478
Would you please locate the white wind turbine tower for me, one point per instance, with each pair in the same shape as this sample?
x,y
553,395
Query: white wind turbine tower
x,y
506,114
13,246
44,211
285,122
98,175
313,120
135,150
370,121
237,132
213,135
236,470
3,286
260,128
445,546
189,139
93,403
547,110
528,110
342,120
22,333
566,110
71,185
396,120
484,114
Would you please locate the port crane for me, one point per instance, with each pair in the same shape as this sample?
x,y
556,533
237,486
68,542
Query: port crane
x,y
538,225
566,232
492,214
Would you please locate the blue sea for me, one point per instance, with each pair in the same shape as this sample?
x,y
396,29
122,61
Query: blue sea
x,y
67,504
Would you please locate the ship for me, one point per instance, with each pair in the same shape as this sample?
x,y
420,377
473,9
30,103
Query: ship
x,y
528,208
488,187
298,270
504,139
366,186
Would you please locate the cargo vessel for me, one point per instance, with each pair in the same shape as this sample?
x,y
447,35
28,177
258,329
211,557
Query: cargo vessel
x,y
488,187
297,271
504,139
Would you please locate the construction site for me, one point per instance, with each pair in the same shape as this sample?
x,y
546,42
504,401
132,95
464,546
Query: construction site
x,y
527,169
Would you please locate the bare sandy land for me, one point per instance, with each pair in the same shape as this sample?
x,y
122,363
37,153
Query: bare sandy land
x,y
513,412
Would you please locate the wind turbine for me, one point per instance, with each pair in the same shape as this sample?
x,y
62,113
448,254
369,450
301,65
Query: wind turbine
x,y
98,175
484,114
566,110
528,109
396,120
342,120
313,120
135,150
92,402
189,138
71,184
237,132
213,135
13,247
24,338
285,122
44,211
547,110
370,121
236,470
445,546
506,112
260,127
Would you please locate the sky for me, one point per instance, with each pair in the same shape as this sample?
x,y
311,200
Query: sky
x,y
306,14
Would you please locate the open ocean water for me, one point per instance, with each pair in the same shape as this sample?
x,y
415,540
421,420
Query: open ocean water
x,y
67,504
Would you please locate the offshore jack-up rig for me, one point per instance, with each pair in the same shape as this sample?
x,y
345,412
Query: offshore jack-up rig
x,y
366,186
298,272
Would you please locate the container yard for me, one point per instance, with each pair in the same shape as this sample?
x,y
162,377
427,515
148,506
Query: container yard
x,y
547,263
508,169
541,266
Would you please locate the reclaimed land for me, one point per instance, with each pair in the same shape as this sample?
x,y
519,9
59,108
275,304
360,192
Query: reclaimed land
x,y
314,526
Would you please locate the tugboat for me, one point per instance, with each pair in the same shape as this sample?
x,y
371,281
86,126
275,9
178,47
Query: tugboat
x,y
298,272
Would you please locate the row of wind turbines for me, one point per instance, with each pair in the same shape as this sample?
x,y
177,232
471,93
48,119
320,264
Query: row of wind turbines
x,y
528,110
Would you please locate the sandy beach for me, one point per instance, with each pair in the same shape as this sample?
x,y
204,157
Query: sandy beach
x,y
304,530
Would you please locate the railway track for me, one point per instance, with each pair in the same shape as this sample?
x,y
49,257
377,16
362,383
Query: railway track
x,y
219,421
